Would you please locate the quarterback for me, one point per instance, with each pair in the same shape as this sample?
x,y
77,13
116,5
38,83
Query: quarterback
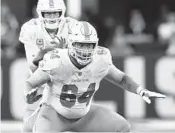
x,y
41,35
73,76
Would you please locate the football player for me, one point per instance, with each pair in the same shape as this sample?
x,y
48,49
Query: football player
x,y
74,76
41,35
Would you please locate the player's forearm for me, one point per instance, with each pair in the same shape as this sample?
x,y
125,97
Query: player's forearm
x,y
121,79
37,79
28,88
129,84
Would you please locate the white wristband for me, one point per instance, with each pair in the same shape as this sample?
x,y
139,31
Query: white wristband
x,y
139,89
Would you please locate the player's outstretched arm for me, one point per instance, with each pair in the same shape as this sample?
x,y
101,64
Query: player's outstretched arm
x,y
38,78
121,79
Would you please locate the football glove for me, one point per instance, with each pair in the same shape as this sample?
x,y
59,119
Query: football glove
x,y
147,95
32,96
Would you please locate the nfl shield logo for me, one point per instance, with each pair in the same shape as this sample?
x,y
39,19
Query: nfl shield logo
x,y
79,73
40,43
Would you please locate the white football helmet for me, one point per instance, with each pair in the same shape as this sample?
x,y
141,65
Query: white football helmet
x,y
83,41
51,6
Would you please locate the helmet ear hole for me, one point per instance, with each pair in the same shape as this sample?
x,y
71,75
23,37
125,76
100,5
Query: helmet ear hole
x,y
43,14
60,13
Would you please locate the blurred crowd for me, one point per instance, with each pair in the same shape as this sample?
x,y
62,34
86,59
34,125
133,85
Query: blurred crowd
x,y
120,39
136,39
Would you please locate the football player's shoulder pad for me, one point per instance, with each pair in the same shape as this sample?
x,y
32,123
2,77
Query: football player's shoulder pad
x,y
31,23
102,50
28,29
104,53
71,22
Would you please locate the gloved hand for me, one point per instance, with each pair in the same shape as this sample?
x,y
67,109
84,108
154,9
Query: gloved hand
x,y
146,95
32,96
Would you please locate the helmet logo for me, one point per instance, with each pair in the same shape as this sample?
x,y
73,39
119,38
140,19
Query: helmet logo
x,y
51,3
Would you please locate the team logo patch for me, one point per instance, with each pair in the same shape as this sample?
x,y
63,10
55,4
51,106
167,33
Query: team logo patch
x,y
40,43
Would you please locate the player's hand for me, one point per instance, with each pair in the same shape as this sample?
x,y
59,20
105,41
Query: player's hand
x,y
147,95
61,42
32,96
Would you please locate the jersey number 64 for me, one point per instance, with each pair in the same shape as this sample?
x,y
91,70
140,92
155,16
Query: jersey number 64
x,y
70,95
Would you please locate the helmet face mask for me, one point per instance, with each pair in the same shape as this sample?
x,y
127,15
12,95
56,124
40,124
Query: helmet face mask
x,y
51,15
51,19
83,52
51,12
83,44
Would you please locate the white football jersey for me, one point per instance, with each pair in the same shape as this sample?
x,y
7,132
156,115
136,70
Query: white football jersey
x,y
72,89
34,36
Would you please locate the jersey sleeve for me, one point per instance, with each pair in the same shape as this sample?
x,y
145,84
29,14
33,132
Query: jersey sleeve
x,y
26,34
50,62
27,37
109,57
30,48
104,60
105,55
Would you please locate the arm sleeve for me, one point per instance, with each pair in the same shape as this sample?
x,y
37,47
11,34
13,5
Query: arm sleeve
x,y
50,64
25,34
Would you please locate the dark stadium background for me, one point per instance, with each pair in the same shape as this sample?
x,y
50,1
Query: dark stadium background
x,y
141,37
